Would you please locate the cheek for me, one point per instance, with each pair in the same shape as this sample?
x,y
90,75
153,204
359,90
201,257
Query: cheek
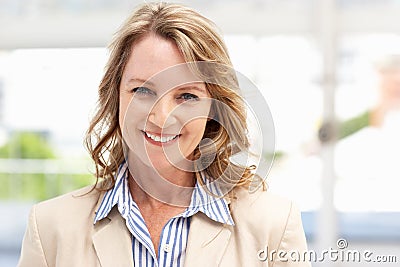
x,y
122,111
197,128
193,132
124,101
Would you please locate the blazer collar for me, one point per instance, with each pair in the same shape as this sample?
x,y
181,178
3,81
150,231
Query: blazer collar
x,y
112,241
207,241
99,200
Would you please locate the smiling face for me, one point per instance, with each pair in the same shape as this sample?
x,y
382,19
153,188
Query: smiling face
x,y
163,107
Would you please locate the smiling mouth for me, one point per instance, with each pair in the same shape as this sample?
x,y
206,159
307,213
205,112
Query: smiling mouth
x,y
160,139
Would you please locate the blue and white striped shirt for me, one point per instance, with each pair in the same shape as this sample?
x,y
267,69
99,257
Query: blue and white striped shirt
x,y
174,235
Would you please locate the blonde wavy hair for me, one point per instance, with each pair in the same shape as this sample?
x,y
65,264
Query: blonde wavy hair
x,y
198,40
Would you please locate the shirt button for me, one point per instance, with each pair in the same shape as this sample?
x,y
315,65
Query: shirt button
x,y
167,248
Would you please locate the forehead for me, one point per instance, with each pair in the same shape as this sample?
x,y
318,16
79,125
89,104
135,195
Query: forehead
x,y
151,55
158,62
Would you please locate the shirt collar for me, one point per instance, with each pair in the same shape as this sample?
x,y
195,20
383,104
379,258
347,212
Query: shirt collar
x,y
208,199
205,198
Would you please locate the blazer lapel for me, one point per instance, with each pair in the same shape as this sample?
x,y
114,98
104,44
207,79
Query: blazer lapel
x,y
112,241
207,241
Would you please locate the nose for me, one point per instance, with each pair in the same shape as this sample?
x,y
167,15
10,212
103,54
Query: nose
x,y
162,113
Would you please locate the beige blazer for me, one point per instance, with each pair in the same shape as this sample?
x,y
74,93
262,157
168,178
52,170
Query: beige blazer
x,y
61,232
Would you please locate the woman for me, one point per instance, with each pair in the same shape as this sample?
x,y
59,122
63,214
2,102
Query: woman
x,y
169,118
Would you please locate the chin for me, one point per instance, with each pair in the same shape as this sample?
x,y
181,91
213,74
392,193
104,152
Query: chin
x,y
159,161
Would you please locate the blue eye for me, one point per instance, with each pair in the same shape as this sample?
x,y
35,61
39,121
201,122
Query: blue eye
x,y
143,91
188,97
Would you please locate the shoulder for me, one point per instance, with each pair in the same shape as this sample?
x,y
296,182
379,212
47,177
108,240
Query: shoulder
x,y
60,228
268,219
261,205
267,222
84,197
71,207
265,213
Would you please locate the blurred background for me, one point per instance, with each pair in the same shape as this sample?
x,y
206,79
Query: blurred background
x,y
329,70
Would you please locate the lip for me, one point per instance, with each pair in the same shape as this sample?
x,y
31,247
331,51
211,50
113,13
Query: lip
x,y
159,143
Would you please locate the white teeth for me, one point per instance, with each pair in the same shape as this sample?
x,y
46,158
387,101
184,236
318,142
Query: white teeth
x,y
163,139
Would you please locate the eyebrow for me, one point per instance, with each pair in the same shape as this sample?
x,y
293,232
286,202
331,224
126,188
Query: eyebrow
x,y
192,87
139,80
180,88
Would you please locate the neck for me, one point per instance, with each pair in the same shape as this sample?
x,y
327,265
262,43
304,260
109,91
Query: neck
x,y
157,200
168,186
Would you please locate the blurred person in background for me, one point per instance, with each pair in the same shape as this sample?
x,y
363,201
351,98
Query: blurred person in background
x,y
385,110
368,151
388,102
153,203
